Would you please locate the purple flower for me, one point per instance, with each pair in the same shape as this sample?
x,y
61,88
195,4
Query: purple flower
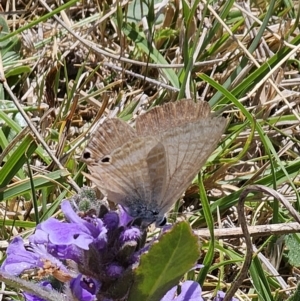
x,y
20,258
125,219
84,288
31,297
114,270
221,295
94,252
129,234
58,233
65,252
78,232
111,220
190,291
67,240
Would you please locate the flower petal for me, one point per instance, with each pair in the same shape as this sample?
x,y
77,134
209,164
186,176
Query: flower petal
x,y
190,291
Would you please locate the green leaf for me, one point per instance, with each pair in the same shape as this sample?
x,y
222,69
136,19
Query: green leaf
x,y
17,128
39,181
17,160
17,223
161,268
17,71
260,281
165,33
208,259
137,9
139,39
293,243
4,31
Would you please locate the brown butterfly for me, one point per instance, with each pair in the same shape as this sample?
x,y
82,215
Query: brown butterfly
x,y
148,168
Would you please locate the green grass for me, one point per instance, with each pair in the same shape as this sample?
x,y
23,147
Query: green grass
x,y
245,64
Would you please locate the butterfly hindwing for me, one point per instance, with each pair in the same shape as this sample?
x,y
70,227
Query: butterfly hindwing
x,y
187,149
189,134
170,115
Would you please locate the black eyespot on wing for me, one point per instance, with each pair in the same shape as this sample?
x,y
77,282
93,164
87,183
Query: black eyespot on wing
x,y
105,160
86,155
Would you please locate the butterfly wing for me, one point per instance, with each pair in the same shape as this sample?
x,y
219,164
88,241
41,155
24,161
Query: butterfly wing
x,y
174,114
189,134
133,174
110,135
188,148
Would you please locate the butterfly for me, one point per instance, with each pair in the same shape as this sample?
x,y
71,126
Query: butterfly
x,y
147,169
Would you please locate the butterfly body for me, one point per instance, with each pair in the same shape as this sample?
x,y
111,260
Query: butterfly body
x,y
148,168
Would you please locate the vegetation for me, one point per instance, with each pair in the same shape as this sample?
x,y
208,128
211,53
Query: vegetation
x,y
67,66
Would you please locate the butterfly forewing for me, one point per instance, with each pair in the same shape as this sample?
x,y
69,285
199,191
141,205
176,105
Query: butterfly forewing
x,y
109,136
129,173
